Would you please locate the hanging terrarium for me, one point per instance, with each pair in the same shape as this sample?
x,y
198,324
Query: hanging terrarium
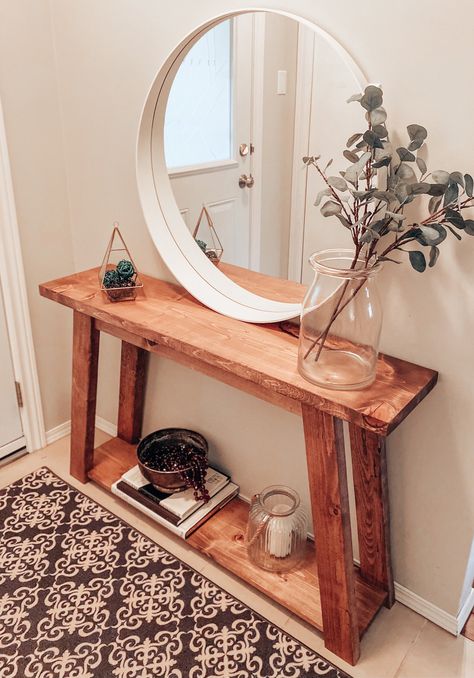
x,y
118,276
206,237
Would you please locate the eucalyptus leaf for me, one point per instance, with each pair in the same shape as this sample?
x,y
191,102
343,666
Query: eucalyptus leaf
x,y
372,98
337,183
433,204
451,194
417,134
405,172
355,137
353,172
330,208
383,162
457,177
354,97
394,215
321,195
437,189
380,131
451,229
372,140
469,226
469,183
434,234
434,254
440,177
351,156
417,260
405,155
455,218
377,116
418,188
386,196
369,235
421,165
343,220
328,164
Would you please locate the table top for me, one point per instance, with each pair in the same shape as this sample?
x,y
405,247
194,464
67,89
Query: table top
x,y
165,314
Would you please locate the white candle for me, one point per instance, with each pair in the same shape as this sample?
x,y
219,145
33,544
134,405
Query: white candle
x,y
279,532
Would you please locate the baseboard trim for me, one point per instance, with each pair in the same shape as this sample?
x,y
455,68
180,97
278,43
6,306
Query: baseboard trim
x,y
450,622
58,432
64,429
106,426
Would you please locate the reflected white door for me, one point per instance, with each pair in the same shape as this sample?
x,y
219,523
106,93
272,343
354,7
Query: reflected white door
x,y
207,119
325,84
11,432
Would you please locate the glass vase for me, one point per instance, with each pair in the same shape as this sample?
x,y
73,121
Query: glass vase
x,y
277,529
341,321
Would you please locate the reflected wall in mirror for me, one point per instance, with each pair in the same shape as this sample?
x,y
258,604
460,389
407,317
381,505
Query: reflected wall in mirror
x,y
253,95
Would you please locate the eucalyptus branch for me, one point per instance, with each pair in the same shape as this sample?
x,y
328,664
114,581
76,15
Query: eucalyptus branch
x,y
371,231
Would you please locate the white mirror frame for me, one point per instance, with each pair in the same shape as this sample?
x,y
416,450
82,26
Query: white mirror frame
x,y
172,238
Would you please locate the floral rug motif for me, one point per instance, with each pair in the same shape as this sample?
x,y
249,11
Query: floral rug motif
x,y
84,595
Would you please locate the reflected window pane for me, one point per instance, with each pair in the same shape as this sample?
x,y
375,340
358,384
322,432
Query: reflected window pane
x,y
198,116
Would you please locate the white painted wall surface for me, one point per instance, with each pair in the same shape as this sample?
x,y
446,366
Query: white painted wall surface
x,y
107,55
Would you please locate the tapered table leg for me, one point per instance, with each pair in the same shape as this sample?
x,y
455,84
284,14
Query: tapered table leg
x,y
132,392
330,507
369,468
85,355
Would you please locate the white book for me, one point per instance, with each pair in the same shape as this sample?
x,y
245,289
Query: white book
x,y
185,528
181,504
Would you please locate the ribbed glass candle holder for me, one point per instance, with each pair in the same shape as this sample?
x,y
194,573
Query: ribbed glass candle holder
x,y
277,529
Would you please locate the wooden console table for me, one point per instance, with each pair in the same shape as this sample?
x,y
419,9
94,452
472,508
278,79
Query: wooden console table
x,y
328,591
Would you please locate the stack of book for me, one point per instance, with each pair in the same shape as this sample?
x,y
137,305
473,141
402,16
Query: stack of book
x,y
179,512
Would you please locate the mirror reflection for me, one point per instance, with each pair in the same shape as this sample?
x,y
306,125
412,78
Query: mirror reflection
x,y
252,96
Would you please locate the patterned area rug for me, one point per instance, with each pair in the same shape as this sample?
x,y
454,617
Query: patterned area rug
x,y
84,595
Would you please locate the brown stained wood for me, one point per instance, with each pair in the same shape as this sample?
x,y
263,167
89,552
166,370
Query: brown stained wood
x,y
133,364
83,397
165,315
330,508
369,467
111,460
277,289
222,539
228,378
468,630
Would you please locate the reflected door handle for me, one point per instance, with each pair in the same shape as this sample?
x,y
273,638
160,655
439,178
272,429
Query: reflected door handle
x,y
246,181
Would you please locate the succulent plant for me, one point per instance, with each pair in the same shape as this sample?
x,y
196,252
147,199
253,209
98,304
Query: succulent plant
x,y
202,245
111,279
125,269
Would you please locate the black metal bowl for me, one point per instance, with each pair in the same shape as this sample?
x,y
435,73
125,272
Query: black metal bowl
x,y
155,446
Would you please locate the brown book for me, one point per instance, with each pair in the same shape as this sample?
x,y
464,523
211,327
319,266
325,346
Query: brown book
x,y
148,502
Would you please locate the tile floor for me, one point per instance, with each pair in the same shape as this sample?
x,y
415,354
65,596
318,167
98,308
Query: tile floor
x,y
399,643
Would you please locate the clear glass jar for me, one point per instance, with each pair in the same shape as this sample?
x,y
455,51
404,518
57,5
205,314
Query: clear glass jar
x,y
277,529
341,321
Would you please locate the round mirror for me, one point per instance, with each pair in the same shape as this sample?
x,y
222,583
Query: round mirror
x,y
226,196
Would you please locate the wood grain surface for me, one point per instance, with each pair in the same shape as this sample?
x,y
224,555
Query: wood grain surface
x,y
221,538
133,364
85,357
369,469
327,477
165,315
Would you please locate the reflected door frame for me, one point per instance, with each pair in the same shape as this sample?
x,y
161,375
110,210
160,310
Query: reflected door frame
x,y
303,99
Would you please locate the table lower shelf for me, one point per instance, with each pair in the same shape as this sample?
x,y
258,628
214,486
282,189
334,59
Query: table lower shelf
x,y
221,538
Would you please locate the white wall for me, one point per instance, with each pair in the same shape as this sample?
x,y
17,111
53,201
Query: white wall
x,y
28,91
107,55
